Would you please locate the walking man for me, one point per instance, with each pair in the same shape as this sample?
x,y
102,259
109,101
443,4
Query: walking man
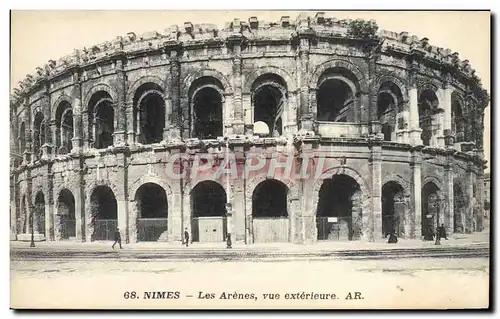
x,y
118,239
186,237
442,232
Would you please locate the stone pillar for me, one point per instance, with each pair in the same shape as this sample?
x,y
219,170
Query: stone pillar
x,y
238,123
81,214
304,36
49,209
175,74
129,115
175,214
48,145
80,121
448,207
469,193
376,178
119,135
27,135
416,192
168,110
480,200
446,100
415,131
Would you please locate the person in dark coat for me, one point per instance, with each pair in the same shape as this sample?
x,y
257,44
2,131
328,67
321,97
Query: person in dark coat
x,y
118,239
442,232
393,239
186,237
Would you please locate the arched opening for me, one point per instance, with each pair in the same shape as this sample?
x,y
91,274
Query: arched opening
x,y
389,103
101,120
152,215
336,96
22,139
459,205
427,108
64,128
269,93
104,215
66,219
208,206
339,212
38,135
149,113
393,208
206,106
430,210
270,212
39,217
457,119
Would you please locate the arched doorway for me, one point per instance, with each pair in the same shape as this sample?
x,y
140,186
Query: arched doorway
x,y
430,210
428,104
268,100
39,217
38,135
206,108
65,215
104,215
339,213
393,208
457,118
149,113
64,128
101,120
208,206
152,217
389,103
270,220
459,204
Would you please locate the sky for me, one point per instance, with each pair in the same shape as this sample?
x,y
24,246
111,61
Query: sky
x,y
38,36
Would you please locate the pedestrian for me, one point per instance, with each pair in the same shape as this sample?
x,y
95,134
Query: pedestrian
x,y
393,239
442,231
186,236
118,239
438,236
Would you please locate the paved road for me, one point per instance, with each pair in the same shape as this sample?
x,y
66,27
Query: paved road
x,y
475,251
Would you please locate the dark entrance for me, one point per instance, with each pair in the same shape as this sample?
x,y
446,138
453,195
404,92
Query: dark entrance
x,y
152,218
208,202
269,212
430,210
339,209
104,213
392,209
65,217
39,221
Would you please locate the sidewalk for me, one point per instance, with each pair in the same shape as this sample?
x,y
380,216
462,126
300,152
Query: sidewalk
x,y
458,240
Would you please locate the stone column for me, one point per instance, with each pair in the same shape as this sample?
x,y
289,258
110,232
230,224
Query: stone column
x,y
414,125
80,121
238,122
27,135
416,192
480,200
119,135
376,178
175,74
446,99
129,115
80,217
469,193
305,115
48,145
448,207
168,109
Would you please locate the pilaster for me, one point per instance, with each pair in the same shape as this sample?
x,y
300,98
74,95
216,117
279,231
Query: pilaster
x,y
416,191
119,135
376,178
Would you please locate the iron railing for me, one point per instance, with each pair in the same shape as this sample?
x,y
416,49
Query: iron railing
x,y
150,229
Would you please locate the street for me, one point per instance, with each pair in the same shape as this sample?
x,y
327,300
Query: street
x,y
285,282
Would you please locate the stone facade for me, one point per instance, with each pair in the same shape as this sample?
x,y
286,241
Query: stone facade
x,y
393,120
